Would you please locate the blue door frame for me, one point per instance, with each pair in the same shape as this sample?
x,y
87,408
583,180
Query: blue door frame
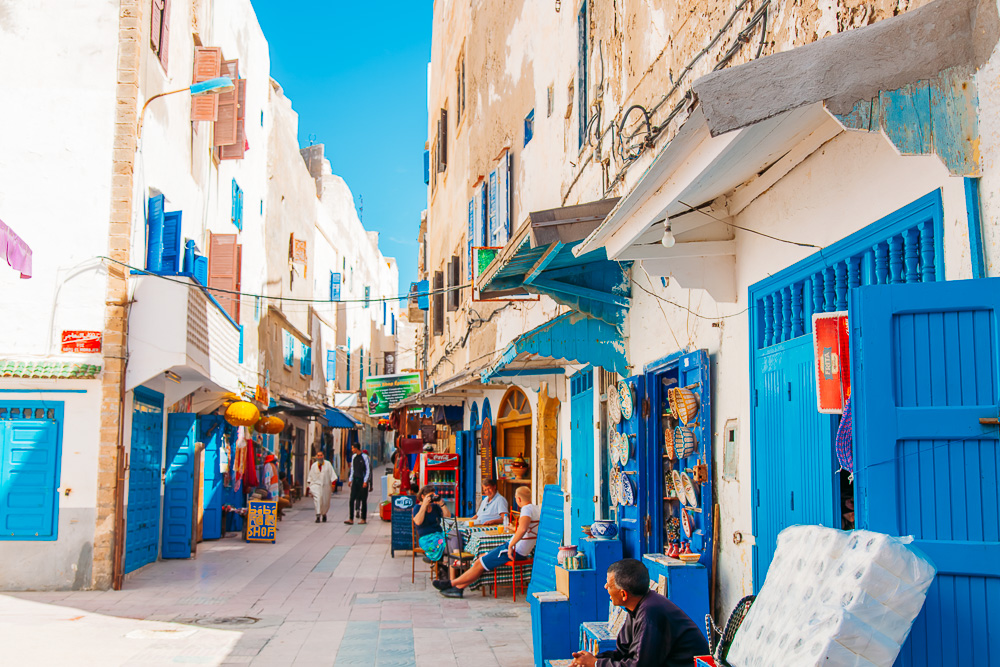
x,y
635,525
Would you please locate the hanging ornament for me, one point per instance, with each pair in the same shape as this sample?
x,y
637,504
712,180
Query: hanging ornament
x,y
269,425
242,413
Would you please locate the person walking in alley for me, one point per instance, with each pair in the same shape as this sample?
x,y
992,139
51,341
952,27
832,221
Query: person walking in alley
x,y
320,483
656,632
520,547
273,484
360,481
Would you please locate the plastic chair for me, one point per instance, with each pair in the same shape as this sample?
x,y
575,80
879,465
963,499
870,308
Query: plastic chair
x,y
720,639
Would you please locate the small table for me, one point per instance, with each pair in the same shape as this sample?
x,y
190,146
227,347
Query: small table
x,y
482,542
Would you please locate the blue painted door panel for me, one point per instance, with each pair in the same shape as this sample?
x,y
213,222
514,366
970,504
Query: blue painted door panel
x,y
793,457
212,427
142,517
635,526
29,479
924,374
178,487
582,484
465,444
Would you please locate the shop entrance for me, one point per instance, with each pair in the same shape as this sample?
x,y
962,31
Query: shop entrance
x,y
513,439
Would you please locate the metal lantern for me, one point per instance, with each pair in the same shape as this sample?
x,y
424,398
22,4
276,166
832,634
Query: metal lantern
x,y
242,413
269,425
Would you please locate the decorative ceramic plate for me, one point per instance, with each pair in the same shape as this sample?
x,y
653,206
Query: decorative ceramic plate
x,y
685,442
613,486
678,483
628,489
613,444
626,399
687,522
683,403
614,407
690,496
623,449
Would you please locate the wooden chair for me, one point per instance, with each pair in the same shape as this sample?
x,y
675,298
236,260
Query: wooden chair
x,y
514,565
459,558
417,551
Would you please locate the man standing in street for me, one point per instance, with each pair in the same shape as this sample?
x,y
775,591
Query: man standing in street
x,y
360,481
320,482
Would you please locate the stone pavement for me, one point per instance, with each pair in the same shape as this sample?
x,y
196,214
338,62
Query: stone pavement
x,y
324,594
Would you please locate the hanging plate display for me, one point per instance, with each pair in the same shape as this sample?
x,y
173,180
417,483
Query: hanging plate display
x,y
613,444
691,498
628,490
683,403
613,486
614,406
678,483
687,522
627,399
623,449
685,442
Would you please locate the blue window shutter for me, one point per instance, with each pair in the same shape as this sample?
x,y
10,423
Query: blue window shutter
x,y
361,367
427,167
171,258
237,206
241,343
331,365
154,234
368,294
335,286
529,126
423,298
305,361
29,478
484,214
289,347
393,316
471,233
201,269
384,310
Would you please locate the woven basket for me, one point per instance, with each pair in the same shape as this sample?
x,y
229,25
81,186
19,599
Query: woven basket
x,y
685,442
683,403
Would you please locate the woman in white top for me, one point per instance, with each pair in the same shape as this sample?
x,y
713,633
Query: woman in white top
x,y
520,547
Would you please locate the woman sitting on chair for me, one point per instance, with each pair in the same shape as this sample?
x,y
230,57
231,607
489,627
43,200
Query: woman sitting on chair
x,y
427,515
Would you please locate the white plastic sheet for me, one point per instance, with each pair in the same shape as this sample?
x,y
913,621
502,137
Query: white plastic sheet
x,y
834,598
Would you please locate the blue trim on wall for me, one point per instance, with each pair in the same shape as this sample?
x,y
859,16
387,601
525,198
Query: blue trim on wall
x,y
974,216
44,391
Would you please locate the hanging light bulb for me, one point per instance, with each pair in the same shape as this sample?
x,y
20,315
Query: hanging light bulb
x,y
668,239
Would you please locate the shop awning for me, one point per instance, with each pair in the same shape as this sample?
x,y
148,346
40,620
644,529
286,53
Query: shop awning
x,y
339,419
539,259
293,408
568,339
910,78
15,250
451,392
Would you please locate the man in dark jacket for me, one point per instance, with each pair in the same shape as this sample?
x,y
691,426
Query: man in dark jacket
x,y
360,481
656,632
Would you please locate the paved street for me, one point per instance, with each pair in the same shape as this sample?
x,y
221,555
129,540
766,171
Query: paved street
x,y
324,594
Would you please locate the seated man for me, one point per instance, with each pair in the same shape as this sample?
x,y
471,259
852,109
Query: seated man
x,y
493,506
656,632
520,547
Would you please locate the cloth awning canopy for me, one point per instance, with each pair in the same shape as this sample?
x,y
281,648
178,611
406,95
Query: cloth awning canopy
x,y
451,392
569,339
539,259
291,407
15,251
339,419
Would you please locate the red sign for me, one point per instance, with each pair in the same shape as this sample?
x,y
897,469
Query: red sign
x,y
81,341
831,345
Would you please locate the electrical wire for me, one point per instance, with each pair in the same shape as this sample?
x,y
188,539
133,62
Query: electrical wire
x,y
745,229
683,307
219,290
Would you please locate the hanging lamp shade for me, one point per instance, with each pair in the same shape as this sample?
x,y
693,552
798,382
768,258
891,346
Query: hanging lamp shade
x,y
242,413
270,425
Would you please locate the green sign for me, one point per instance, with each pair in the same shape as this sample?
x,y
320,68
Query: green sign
x,y
386,390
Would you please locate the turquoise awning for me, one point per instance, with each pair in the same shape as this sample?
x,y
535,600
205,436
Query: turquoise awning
x,y
338,419
571,338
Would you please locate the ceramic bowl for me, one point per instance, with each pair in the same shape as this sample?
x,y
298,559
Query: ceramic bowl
x,y
683,403
689,558
685,442
668,443
605,530
626,399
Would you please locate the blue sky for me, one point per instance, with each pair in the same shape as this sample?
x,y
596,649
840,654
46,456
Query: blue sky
x,y
356,73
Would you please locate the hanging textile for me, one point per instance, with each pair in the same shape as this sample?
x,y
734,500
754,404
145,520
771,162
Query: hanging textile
x,y
239,458
15,251
250,467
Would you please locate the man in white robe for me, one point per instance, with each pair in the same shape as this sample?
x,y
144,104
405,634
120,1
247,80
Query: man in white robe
x,y
320,483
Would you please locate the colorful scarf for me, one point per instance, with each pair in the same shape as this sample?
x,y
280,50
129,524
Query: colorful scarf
x,y
433,545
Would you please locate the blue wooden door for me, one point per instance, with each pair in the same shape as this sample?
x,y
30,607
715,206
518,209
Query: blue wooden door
x,y
142,516
635,525
465,444
926,370
29,479
583,489
178,486
793,457
212,427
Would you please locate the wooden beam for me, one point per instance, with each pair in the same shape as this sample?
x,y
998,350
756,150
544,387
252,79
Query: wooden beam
x,y
680,250
543,261
544,285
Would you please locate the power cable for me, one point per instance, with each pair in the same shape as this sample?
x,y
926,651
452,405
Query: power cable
x,y
745,229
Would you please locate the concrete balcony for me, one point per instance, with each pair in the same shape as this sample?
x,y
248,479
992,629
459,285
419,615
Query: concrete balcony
x,y
175,326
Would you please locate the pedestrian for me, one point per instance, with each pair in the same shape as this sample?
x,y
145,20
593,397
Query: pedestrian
x,y
360,480
272,482
520,547
321,477
656,632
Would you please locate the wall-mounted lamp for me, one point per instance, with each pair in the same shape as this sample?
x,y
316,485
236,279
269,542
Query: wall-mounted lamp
x,y
668,239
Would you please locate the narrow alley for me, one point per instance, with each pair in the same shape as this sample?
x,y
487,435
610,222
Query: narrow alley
x,y
322,594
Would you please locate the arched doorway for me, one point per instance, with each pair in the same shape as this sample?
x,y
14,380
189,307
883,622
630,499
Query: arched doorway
x,y
514,436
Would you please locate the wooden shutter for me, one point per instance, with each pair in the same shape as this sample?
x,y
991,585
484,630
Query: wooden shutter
x,y
454,279
223,271
239,281
154,234
207,65
164,51
225,123
237,149
171,258
438,303
156,25
442,148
